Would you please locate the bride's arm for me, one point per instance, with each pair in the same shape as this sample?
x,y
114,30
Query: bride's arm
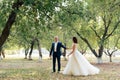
x,y
68,48
73,49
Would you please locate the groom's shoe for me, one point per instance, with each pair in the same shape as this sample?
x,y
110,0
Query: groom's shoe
x,y
53,71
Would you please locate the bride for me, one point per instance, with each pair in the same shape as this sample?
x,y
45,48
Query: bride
x,y
77,64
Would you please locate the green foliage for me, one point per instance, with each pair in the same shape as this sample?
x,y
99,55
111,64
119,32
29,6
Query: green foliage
x,y
41,19
5,9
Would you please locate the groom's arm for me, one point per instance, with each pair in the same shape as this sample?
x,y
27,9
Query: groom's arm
x,y
51,50
63,46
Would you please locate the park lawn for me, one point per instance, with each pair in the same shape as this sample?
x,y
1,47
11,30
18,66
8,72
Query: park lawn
x,y
22,69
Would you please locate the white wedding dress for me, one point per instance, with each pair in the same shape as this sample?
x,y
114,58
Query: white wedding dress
x,y
78,65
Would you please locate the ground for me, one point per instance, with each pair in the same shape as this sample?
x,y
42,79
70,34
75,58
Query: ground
x,y
23,69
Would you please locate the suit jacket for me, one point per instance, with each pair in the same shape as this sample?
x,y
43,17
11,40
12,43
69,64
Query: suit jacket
x,y
58,49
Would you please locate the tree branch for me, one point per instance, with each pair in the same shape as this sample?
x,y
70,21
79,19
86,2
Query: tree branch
x,y
95,33
116,4
86,41
9,23
115,27
104,20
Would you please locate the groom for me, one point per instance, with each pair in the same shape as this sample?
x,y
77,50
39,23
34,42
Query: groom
x,y
56,53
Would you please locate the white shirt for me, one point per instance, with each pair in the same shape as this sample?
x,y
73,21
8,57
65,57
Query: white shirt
x,y
55,48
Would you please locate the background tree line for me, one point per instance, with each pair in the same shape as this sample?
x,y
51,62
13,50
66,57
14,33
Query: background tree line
x,y
95,23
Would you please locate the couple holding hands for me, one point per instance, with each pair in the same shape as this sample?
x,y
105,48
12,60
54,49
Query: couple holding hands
x,y
77,64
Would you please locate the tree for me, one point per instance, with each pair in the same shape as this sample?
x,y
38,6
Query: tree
x,y
40,11
9,23
98,17
111,45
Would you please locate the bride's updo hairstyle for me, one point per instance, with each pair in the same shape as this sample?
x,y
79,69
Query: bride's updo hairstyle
x,y
75,40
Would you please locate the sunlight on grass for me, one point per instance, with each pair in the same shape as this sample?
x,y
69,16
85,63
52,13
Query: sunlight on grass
x,y
21,69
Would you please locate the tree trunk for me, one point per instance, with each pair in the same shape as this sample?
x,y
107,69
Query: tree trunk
x,y
87,42
32,44
100,55
9,23
99,60
110,58
26,52
2,54
64,53
100,51
39,49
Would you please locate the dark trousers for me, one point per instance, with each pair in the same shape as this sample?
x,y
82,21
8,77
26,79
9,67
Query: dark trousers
x,y
54,62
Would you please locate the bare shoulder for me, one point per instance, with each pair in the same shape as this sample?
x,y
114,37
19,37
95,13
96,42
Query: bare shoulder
x,y
75,45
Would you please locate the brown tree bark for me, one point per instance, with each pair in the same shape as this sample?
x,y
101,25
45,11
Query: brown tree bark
x,y
31,48
39,47
9,23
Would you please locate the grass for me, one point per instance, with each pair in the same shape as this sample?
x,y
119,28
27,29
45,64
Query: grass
x,y
21,69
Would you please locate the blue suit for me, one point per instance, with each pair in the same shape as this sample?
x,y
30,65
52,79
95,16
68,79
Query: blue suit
x,y
56,55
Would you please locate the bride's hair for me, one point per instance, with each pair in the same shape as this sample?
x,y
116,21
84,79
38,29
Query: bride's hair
x,y
75,40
